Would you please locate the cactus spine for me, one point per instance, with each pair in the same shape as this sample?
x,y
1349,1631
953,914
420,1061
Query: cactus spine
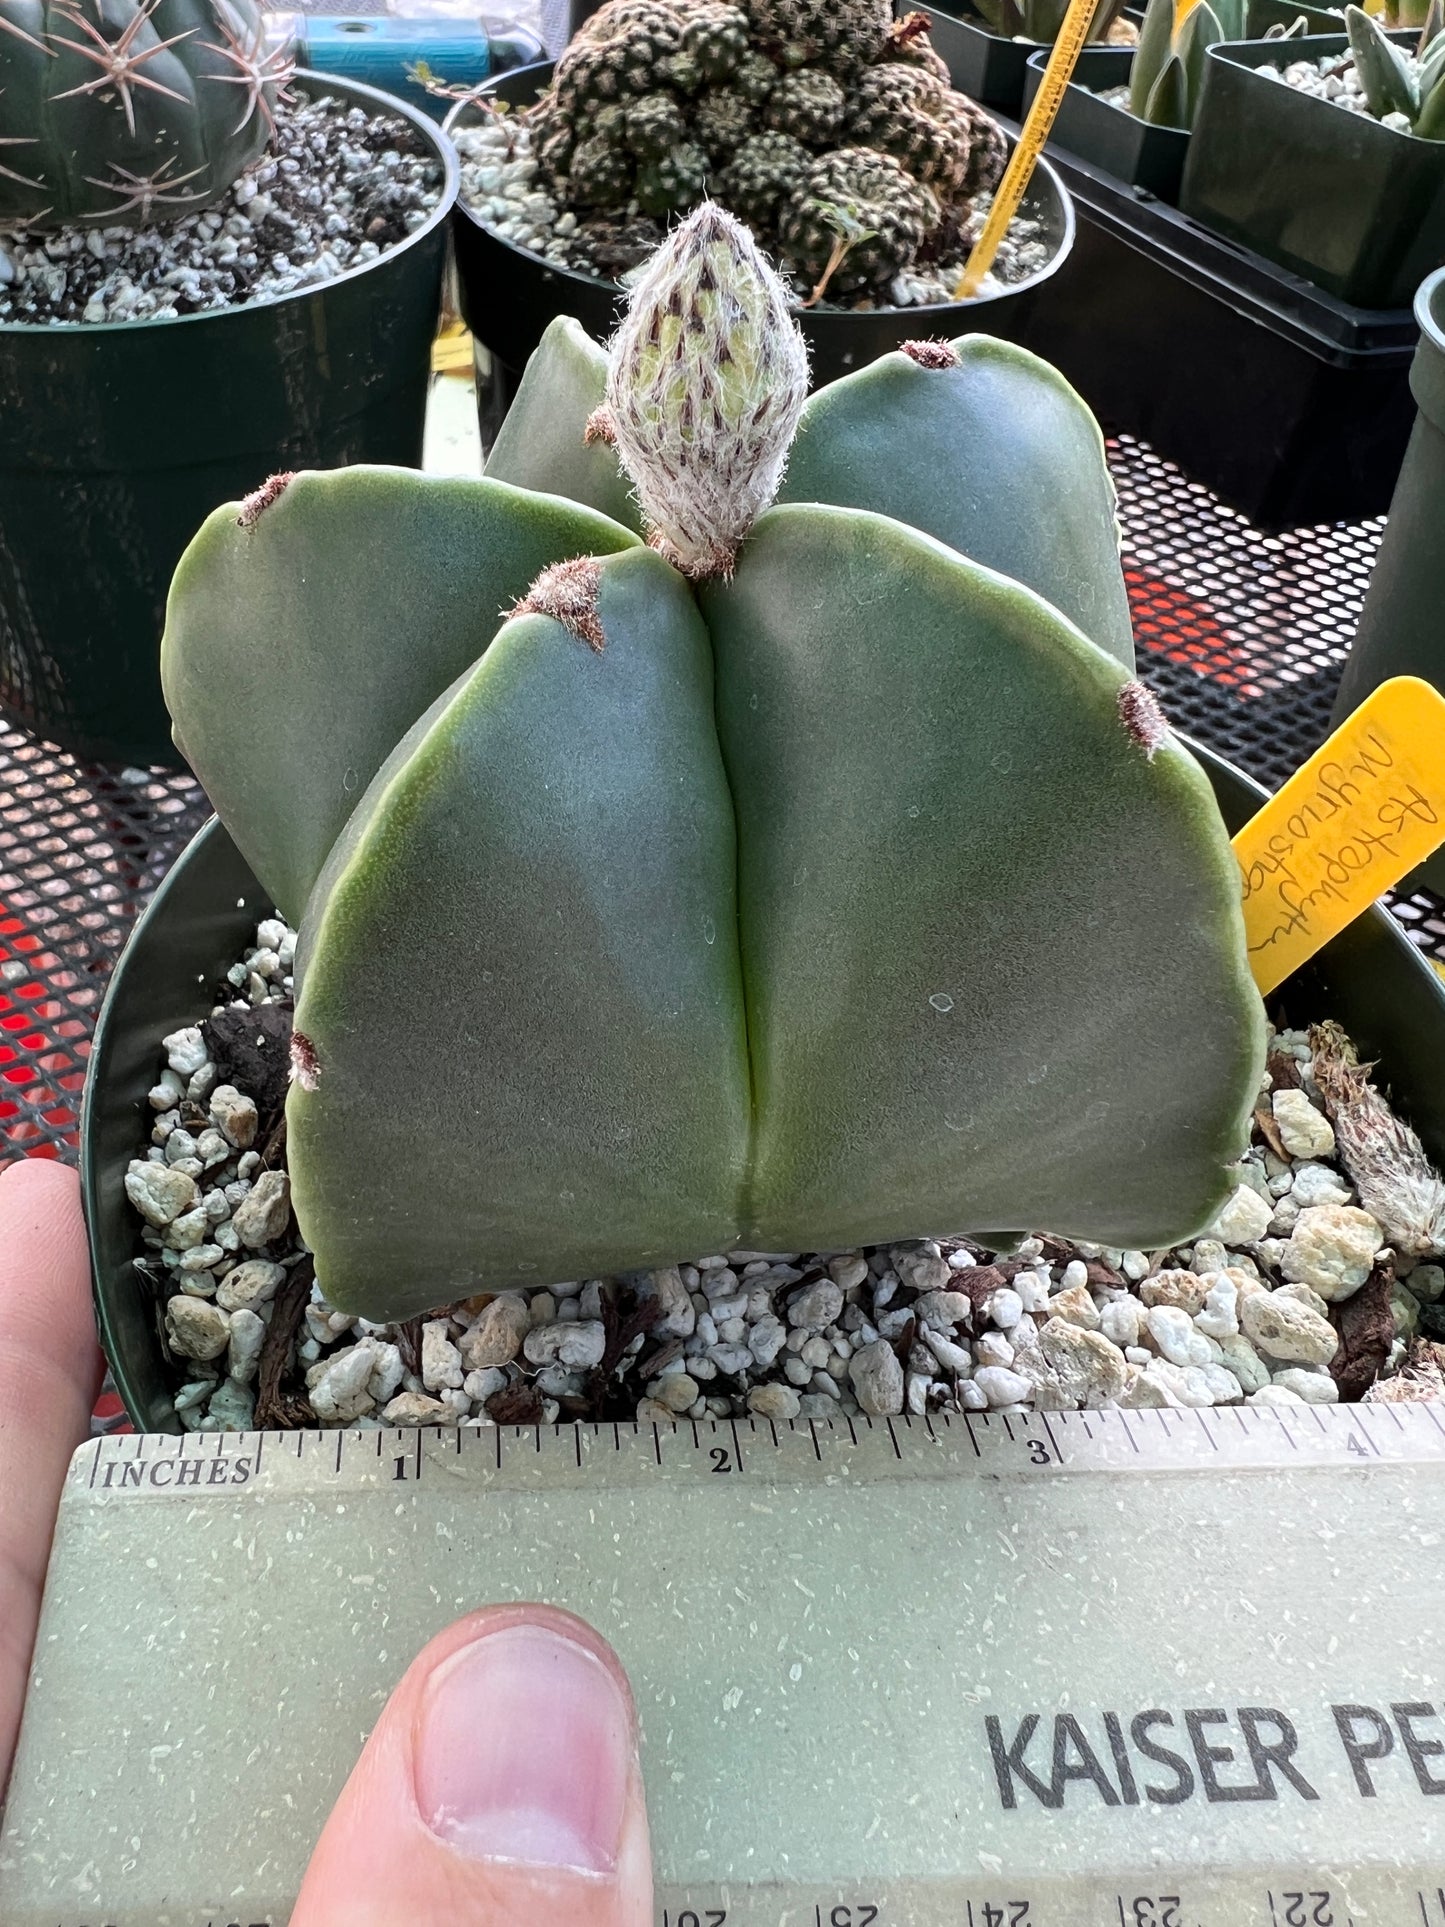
x,y
118,113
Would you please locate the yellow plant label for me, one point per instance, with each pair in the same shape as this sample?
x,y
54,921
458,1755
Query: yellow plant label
x,y
1365,809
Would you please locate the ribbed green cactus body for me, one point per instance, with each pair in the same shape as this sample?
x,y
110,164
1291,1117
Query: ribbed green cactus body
x,y
563,833
941,1000
404,578
162,132
851,892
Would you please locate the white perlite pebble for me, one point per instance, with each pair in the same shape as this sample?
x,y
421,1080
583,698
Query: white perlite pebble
x,y
679,1316
677,1391
1005,1308
250,1285
848,1272
1240,1358
232,1408
441,1362
1315,1388
578,1346
942,1309
1172,1330
185,1052
1303,1131
415,1408
877,1379
195,1328
1332,1248
1317,1184
342,1387
1274,1395
1076,1306
1119,1321
815,1307
999,1385
1287,1329
1218,1316
497,1336
921,1270
1090,1371
160,1194
1243,1220
1179,1288
234,1116
262,1216
776,1402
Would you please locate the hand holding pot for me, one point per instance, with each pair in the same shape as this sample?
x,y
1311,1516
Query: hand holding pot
x,y
500,1785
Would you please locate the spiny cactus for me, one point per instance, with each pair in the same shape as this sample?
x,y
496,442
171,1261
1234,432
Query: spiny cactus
x,y
1406,91
1167,71
125,112
846,891
781,114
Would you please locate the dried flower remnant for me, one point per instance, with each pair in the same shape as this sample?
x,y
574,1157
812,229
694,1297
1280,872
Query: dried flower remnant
x,y
1398,1185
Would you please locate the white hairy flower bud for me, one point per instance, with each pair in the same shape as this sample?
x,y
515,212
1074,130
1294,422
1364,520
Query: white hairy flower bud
x,y
708,374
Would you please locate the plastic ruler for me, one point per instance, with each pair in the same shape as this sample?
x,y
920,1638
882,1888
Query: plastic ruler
x,y
1097,1669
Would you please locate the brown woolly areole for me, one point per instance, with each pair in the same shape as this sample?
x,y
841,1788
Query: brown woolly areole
x,y
1141,715
260,499
909,28
931,354
305,1064
567,592
599,429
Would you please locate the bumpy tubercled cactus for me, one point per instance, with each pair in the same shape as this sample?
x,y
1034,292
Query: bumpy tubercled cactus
x,y
831,885
124,112
812,119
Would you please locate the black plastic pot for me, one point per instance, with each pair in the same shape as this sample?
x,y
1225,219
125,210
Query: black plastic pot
x,y
509,295
1371,979
1352,205
1291,405
1110,137
117,440
982,63
1402,626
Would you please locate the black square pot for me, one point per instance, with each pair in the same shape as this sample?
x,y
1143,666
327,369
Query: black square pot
x,y
1110,137
1355,207
982,63
1291,405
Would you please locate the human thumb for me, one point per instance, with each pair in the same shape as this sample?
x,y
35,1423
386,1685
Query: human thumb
x,y
500,1788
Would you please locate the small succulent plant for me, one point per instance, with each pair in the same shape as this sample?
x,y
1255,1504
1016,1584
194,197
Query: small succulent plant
x,y
124,112
1167,71
1040,20
805,874
1404,90
798,115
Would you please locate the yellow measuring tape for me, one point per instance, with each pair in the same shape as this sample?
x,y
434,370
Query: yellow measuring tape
x,y
1067,48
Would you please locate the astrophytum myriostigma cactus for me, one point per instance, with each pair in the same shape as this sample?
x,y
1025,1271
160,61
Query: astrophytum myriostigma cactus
x,y
842,888
125,112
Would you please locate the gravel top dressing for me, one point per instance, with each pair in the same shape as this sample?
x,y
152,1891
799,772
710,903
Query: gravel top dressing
x,y
500,185
1297,1295
337,187
1334,77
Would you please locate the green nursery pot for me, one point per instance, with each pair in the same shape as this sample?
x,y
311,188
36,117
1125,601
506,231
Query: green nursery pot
x,y
1337,197
117,440
1402,625
1371,979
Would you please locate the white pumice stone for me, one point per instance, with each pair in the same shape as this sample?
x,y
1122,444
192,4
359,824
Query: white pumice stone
x,y
1244,1218
877,1379
1285,1329
1333,1248
195,1328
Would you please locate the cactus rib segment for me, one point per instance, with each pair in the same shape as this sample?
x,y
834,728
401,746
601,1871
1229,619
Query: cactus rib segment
x,y
287,729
